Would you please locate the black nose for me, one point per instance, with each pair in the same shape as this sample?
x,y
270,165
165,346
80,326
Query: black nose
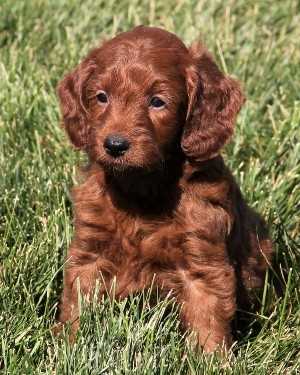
x,y
115,145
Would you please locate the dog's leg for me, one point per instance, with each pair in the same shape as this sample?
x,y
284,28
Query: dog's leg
x,y
68,307
209,306
79,280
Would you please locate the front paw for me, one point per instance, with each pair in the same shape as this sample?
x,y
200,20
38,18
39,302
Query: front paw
x,y
210,344
68,329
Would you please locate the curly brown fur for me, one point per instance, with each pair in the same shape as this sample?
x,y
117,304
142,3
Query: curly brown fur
x,y
167,205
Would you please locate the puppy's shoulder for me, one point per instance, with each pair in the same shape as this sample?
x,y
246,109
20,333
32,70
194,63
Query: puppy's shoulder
x,y
209,181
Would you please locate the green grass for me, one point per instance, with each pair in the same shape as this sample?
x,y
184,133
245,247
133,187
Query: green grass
x,y
256,41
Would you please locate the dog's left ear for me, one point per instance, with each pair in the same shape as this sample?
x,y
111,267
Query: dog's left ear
x,y
214,102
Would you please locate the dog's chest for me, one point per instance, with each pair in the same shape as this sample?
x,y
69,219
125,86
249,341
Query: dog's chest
x,y
123,236
145,239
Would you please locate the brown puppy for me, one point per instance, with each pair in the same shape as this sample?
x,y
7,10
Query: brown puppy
x,y
152,116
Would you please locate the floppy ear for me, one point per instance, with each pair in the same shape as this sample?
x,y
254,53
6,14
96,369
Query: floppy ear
x,y
214,102
71,94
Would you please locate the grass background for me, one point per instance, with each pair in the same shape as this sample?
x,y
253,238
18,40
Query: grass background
x,y
256,41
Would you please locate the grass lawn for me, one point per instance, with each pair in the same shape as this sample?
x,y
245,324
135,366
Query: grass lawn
x,y
256,41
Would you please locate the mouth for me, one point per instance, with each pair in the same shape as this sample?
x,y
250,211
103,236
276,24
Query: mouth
x,y
119,164
125,164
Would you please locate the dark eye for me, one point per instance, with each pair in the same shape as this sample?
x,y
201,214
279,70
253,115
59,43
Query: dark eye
x,y
156,102
102,97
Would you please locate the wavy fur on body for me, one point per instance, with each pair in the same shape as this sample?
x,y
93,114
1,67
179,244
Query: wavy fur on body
x,y
168,206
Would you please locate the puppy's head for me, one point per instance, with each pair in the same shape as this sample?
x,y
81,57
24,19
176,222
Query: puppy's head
x,y
132,101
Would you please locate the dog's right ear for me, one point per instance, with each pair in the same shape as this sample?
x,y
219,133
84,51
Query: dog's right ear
x,y
72,103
